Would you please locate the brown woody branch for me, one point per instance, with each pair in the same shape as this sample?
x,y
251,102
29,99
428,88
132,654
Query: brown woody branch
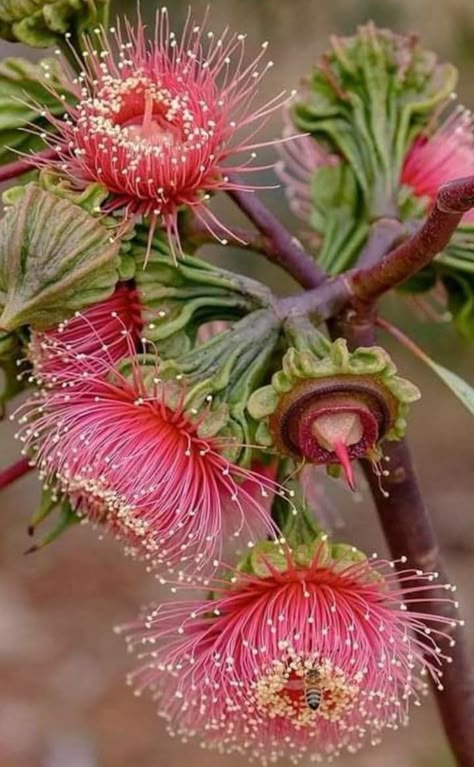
x,y
197,234
453,200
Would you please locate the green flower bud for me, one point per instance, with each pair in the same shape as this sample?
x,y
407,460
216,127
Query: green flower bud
x,y
329,405
216,378
180,296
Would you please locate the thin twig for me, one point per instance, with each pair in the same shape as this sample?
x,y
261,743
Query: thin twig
x,y
14,472
384,235
453,200
284,249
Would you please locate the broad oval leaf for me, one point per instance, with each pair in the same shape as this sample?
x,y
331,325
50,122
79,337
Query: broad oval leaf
x,y
55,259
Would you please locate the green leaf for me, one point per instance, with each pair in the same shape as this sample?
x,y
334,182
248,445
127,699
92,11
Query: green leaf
x,y
22,86
10,381
420,283
461,388
55,259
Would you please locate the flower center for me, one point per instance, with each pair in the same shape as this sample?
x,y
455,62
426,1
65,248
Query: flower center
x,y
152,125
302,692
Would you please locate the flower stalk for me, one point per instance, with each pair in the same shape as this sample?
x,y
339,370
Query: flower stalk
x,y
17,470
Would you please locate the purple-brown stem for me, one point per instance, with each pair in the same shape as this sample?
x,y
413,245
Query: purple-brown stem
x,y
321,303
284,249
14,472
383,236
19,167
453,200
409,531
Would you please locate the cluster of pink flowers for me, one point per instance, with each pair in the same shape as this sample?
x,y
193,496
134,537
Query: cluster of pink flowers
x,y
158,126
127,457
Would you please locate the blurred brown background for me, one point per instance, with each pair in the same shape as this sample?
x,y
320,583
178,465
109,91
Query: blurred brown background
x,y
63,700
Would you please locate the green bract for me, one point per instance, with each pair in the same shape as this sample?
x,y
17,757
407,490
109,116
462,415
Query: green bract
x,y
368,99
42,23
216,379
366,102
178,297
52,504
55,259
272,555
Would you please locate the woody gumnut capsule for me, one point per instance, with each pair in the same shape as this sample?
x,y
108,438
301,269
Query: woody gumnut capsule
x,y
328,405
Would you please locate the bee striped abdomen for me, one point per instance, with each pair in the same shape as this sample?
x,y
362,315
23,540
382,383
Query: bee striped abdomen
x,y
312,692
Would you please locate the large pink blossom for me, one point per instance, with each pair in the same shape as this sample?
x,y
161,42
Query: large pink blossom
x,y
443,156
233,669
133,459
161,123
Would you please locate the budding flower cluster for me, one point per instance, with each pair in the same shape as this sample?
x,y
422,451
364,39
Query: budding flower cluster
x,y
174,406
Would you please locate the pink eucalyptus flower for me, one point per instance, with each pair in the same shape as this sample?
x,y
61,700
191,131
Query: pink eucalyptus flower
x,y
443,156
238,669
110,440
107,328
161,123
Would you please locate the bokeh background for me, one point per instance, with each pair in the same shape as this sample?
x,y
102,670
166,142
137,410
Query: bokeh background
x,y
63,699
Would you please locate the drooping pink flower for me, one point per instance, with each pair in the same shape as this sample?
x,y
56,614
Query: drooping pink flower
x,y
443,156
236,670
107,328
131,459
161,123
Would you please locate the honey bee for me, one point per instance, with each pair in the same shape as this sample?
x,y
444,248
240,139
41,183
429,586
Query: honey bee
x,y
313,693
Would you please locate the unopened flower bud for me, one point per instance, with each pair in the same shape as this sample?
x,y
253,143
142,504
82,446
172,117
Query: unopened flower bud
x,y
334,409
